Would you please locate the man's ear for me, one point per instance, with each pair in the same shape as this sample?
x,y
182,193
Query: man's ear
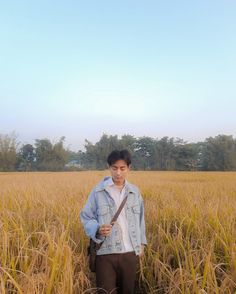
x,y
130,167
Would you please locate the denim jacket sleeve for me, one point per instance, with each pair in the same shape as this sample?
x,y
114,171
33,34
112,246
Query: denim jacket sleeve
x,y
88,217
142,222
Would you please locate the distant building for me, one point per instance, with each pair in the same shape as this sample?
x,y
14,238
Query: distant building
x,y
73,164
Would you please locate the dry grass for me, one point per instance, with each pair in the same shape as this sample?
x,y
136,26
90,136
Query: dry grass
x,y
191,229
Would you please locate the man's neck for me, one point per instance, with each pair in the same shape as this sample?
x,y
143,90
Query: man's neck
x,y
119,185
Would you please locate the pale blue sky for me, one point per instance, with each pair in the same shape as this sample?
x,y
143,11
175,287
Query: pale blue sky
x,y
84,68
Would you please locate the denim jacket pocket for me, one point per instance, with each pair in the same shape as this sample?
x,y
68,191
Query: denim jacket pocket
x,y
136,209
103,214
102,210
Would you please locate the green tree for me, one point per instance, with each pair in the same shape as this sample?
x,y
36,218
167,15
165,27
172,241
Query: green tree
x,y
43,153
96,154
186,156
26,158
8,152
166,154
50,157
59,155
103,147
144,153
219,153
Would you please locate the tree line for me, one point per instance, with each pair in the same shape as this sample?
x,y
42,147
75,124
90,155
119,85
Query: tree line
x,y
167,154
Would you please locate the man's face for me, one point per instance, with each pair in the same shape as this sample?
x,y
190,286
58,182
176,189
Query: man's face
x,y
119,171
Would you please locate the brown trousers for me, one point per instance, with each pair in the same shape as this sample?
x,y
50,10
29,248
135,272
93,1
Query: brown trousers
x,y
115,273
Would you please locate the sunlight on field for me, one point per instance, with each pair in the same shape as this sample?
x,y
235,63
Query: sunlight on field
x,y
191,230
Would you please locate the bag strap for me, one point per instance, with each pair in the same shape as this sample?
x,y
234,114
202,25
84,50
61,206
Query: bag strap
x,y
115,217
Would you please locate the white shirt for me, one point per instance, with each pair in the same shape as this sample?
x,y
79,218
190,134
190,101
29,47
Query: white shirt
x,y
118,196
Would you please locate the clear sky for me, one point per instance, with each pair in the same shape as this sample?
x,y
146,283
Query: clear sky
x,y
84,68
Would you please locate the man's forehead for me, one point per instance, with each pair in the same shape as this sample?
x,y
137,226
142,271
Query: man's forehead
x,y
119,163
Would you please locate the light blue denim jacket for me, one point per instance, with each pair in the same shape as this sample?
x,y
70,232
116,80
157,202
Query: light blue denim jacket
x,y
100,208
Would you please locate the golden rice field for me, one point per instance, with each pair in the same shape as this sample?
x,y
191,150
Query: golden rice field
x,y
191,230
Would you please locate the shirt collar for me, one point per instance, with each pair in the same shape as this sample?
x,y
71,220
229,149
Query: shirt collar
x,y
110,182
102,185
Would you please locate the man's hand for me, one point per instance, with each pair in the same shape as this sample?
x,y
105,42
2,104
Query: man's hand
x,y
105,230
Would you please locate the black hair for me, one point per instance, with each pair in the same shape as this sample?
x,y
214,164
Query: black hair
x,y
116,155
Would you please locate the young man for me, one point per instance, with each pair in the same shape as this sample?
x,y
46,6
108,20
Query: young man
x,y
123,243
